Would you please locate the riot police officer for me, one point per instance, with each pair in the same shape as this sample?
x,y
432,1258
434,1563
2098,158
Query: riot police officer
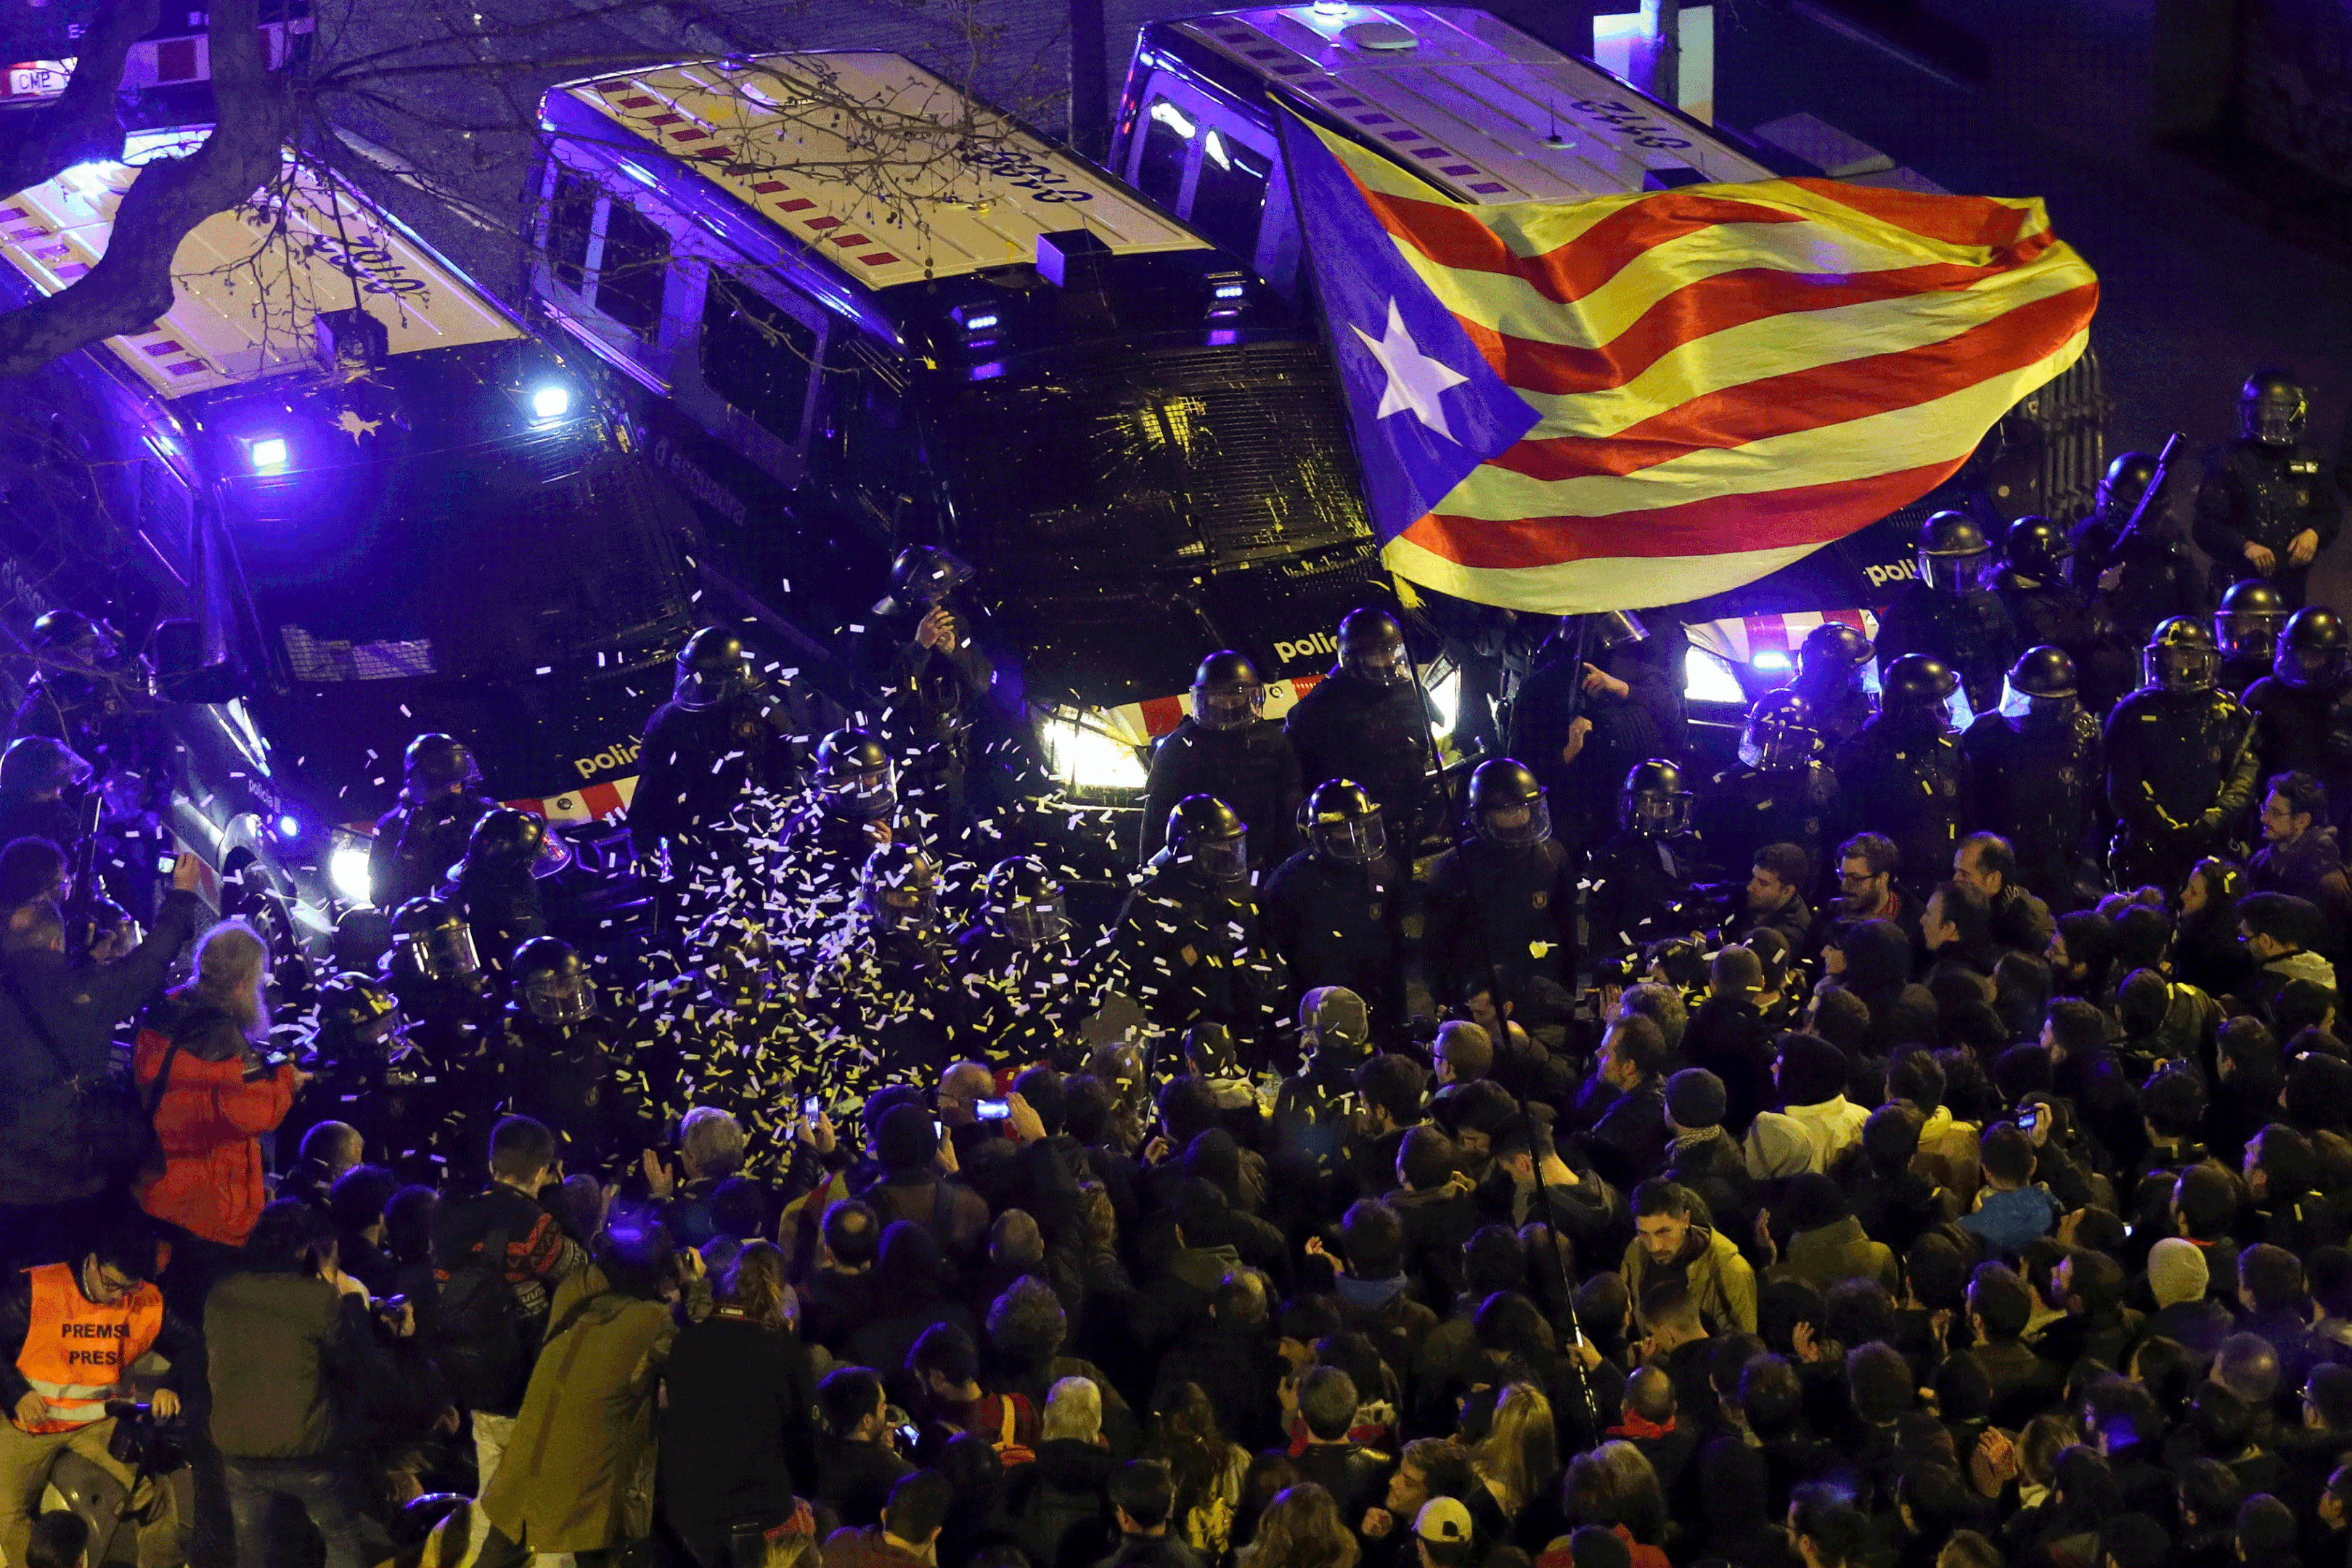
x,y
1501,905
914,1007
1949,616
425,831
1365,720
2268,504
1638,885
496,885
851,806
2181,764
722,735
2141,577
1227,748
1829,666
41,784
1022,983
1581,724
88,694
1335,910
2302,708
1781,791
560,1057
2246,628
2034,771
1904,774
933,681
1189,949
365,1076
2050,612
435,973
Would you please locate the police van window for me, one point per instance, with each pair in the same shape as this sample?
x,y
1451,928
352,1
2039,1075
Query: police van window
x,y
1168,133
629,277
571,215
1229,199
163,511
756,355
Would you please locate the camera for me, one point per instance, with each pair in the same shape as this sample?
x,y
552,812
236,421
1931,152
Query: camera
x,y
142,1440
166,863
992,1110
813,1106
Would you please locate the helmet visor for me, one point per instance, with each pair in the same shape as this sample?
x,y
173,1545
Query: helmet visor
x,y
1033,922
2027,710
1518,825
699,688
1219,859
1228,706
1656,812
556,998
1951,574
2308,667
1381,663
1350,840
865,797
2273,421
437,771
910,905
2181,669
443,952
1771,744
2248,634
554,856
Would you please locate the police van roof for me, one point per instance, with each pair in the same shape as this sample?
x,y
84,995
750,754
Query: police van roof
x,y
1469,103
246,291
767,131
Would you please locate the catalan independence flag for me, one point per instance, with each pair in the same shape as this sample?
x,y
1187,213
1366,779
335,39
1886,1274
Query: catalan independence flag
x,y
1640,399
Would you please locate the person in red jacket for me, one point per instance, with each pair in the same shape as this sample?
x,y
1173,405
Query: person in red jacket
x,y
213,1099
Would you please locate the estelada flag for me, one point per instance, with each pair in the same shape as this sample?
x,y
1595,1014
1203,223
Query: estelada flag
x,y
1640,399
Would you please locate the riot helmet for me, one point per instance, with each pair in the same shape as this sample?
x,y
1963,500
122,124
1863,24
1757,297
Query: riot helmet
x,y
1832,658
1371,648
922,575
2126,481
736,967
436,763
1226,691
35,765
1024,902
2312,651
1508,806
551,980
1653,802
1341,822
1952,550
1918,686
505,839
1779,736
899,887
855,777
2042,690
2248,623
713,667
2180,656
354,1010
1605,629
2036,547
75,635
2271,408
1210,834
430,941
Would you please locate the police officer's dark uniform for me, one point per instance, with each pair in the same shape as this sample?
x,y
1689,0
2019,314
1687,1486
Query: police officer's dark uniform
x,y
496,885
1639,885
2246,628
2035,772
1335,910
1631,706
721,736
2181,765
99,701
1503,896
1781,791
2302,708
1365,721
2265,490
1829,666
2048,611
850,806
425,832
919,1013
933,680
1024,986
1188,948
1948,614
1904,774
433,971
41,784
367,1076
1227,748
2140,578
562,1058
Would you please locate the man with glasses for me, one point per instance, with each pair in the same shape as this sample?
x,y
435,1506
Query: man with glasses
x,y
1866,892
71,1333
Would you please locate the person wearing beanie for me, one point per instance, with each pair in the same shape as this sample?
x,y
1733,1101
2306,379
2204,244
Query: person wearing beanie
x,y
1826,1243
1877,957
1776,1147
906,1144
1810,1075
1702,1155
1728,1036
2178,1278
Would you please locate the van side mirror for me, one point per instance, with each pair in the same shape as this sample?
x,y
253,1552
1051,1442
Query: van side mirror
x,y
179,674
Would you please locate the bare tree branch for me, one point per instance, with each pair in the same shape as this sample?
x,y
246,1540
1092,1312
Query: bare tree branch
x,y
132,284
80,127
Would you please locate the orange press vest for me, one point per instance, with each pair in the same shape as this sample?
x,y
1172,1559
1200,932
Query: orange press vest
x,y
76,1353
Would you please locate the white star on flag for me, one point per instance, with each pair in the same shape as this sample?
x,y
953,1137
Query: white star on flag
x,y
1414,379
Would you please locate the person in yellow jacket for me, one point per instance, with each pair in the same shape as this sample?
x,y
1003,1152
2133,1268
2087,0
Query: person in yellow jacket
x,y
1669,1242
71,1332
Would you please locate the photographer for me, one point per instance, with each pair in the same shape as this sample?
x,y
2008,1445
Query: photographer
x,y
55,1389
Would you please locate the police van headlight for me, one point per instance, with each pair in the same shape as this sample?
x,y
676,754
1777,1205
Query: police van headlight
x,y
347,868
1084,754
1708,678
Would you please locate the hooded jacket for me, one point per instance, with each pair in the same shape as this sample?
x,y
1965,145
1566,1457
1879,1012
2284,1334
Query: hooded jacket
x,y
1878,958
1722,1285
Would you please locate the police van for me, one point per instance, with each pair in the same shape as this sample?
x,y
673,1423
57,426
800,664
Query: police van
x,y
1485,113
856,310
340,497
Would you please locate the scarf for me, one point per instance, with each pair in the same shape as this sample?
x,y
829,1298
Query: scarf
x,y
1637,1426
1686,1142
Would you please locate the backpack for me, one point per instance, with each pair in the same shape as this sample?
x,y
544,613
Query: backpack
x,y
1010,1450
482,1348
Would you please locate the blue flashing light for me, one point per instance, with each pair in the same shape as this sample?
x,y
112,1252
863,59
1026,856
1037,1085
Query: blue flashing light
x,y
269,454
290,826
1771,660
1220,338
978,323
550,402
1232,290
